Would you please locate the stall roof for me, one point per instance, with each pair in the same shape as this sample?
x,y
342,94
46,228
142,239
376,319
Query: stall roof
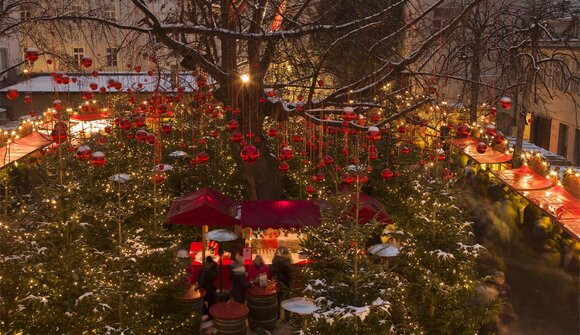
x,y
523,179
560,204
205,206
490,156
463,142
22,147
279,213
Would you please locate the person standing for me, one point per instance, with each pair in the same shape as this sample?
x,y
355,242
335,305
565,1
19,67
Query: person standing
x,y
257,268
239,283
206,280
283,274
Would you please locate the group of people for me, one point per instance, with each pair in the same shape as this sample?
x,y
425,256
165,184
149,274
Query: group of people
x,y
281,271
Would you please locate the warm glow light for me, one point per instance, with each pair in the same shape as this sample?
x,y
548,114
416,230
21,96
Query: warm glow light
x,y
245,78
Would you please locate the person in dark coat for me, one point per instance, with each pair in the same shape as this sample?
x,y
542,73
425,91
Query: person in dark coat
x,y
206,280
283,274
239,282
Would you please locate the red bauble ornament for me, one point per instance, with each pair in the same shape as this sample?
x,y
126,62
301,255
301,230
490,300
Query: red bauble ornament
x,y
193,161
250,154
328,160
498,139
506,102
463,130
441,157
271,93
150,139
236,137
405,150
214,134
283,167
141,135
273,132
310,189
387,174
373,134
158,178
233,124
31,55
107,130
86,61
125,124
202,158
481,147
58,135
27,99
286,153
166,129
447,174
373,156
490,130
12,94
348,178
493,111
320,83
94,86
98,159
139,121
348,114
296,138
84,153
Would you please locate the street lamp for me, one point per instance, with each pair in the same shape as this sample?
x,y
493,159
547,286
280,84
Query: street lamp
x,y
245,78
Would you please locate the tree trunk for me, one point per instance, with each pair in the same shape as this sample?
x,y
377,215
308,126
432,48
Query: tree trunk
x,y
474,96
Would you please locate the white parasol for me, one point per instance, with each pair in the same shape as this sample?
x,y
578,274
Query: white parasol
x,y
120,177
384,250
299,305
221,235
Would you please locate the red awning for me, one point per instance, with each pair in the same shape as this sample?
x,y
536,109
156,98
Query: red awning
x,y
523,179
204,207
463,142
22,147
90,116
371,208
490,156
279,213
560,204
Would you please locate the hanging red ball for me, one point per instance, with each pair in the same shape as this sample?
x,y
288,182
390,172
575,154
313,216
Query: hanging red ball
x,y
31,55
141,135
387,174
27,99
481,147
310,189
296,138
463,130
447,174
150,139
214,134
98,159
250,154
12,94
166,129
493,111
58,135
373,134
506,102
236,137
441,157
405,150
233,124
86,61
498,139
320,83
84,153
348,114
202,158
273,132
328,160
158,178
283,167
286,153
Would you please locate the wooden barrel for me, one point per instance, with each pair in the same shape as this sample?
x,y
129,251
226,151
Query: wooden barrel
x,y
263,306
192,300
229,318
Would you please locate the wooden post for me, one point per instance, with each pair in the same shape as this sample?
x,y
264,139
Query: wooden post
x,y
204,230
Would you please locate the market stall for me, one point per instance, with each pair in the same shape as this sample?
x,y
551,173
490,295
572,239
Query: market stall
x,y
489,156
22,147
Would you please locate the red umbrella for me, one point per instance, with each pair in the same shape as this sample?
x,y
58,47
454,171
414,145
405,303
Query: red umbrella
x,y
204,207
370,208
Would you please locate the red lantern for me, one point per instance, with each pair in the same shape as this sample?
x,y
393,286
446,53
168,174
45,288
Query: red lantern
x,y
387,174
233,124
506,102
273,132
283,167
98,159
86,61
373,134
498,139
286,153
58,135
84,153
250,154
31,55
236,137
463,130
166,129
12,94
481,147
202,158
348,114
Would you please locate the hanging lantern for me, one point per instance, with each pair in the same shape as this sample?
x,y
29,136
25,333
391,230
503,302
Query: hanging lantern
x,y
498,139
86,61
506,102
348,114
250,154
387,174
481,147
202,158
58,135
463,130
166,129
31,55
236,137
373,134
12,94
273,132
233,124
286,153
98,159
283,167
84,153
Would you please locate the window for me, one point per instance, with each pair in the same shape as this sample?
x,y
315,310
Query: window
x,y
25,13
78,54
577,148
563,140
112,57
3,60
541,132
110,12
